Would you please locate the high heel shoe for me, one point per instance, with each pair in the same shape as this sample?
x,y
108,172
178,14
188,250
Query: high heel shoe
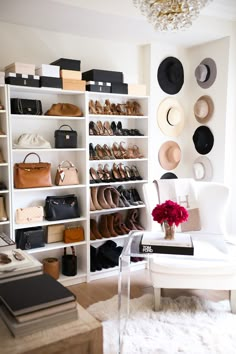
x,y
101,173
100,128
123,151
98,107
129,108
133,152
135,172
92,153
108,173
113,109
122,172
92,109
129,173
101,153
107,128
93,129
137,109
95,176
116,173
107,107
136,196
116,151
108,152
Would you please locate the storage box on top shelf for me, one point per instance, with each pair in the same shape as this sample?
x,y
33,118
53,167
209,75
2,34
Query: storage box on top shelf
x,y
67,64
22,80
70,84
48,70
2,78
20,68
48,81
103,75
71,74
98,86
119,87
137,89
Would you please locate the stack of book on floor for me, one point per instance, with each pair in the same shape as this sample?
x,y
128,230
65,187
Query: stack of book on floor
x,y
154,242
35,303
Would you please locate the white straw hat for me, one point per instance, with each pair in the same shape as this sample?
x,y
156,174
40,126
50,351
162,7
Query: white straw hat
x,y
170,117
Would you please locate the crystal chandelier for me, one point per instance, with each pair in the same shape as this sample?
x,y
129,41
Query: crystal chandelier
x,y
170,15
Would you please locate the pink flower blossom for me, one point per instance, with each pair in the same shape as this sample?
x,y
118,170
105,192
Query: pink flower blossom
x,y
171,212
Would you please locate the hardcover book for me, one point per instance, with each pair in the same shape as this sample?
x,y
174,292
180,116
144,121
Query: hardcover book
x,y
154,242
22,296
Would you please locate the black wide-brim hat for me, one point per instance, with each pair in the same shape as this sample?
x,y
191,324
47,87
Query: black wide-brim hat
x,y
170,75
169,175
203,140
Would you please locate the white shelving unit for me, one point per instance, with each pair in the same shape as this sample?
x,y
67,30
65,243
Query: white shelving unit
x,y
45,126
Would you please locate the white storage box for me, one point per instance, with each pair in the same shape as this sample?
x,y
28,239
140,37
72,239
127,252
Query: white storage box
x,y
48,70
20,68
2,78
137,90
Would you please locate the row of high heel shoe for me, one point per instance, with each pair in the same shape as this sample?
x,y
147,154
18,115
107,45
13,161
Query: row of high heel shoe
x,y
107,129
130,108
113,225
118,173
117,151
109,197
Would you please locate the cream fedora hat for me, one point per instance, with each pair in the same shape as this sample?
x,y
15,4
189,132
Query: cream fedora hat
x,y
202,169
205,73
169,155
203,109
170,117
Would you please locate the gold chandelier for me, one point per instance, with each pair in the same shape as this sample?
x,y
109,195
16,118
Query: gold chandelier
x,y
170,15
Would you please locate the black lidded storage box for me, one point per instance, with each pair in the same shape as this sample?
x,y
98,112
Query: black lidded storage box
x,y
98,86
103,75
22,80
48,81
67,64
118,87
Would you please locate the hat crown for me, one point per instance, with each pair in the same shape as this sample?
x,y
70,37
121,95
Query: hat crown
x,y
201,73
199,170
173,154
174,116
201,108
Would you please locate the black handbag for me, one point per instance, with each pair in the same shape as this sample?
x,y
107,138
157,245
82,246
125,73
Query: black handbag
x,y
25,106
61,207
69,263
65,138
33,237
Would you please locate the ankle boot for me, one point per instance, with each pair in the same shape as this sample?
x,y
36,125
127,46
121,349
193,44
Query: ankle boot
x,y
92,237
94,229
92,207
94,261
3,214
103,227
118,224
132,220
108,197
94,196
1,157
110,225
101,198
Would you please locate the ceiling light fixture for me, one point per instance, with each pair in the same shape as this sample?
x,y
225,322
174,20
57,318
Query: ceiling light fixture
x,y
170,15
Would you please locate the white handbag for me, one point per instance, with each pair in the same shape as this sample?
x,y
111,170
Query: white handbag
x,y
66,175
29,215
28,141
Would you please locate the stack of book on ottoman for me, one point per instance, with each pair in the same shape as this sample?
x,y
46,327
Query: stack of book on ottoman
x,y
35,303
154,242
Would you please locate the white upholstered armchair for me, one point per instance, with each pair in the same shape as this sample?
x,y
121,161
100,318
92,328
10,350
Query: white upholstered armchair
x,y
213,265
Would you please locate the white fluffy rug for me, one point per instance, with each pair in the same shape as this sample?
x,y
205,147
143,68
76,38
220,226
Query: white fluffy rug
x,y
186,325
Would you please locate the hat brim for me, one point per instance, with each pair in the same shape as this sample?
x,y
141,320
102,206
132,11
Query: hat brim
x,y
162,113
210,109
166,85
208,169
213,72
203,140
164,162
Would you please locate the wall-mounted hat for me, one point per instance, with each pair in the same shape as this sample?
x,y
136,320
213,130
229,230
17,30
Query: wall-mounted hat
x,y
205,73
170,75
203,109
202,169
169,155
170,117
168,175
203,140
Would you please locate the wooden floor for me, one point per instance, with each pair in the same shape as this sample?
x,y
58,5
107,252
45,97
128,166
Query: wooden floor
x,y
103,289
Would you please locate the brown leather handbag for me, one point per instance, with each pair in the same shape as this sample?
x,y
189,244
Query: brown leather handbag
x,y
74,234
32,174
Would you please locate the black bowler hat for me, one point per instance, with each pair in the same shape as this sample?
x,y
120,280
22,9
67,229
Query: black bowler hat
x,y
170,75
168,175
203,140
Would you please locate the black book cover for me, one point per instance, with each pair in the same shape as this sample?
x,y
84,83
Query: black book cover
x,y
33,293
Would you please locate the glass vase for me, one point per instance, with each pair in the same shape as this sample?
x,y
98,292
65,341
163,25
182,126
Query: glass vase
x,y
169,231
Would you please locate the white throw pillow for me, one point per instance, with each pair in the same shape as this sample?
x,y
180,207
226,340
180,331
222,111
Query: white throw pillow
x,y
212,202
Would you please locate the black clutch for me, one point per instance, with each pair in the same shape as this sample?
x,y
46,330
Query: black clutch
x,y
25,106
65,138
61,207
30,238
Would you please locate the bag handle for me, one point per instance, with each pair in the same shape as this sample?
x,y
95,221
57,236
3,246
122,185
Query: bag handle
x,y
32,153
66,125
72,250
184,201
66,161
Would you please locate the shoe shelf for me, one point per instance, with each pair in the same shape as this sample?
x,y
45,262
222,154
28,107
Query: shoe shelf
x,y
117,183
119,160
106,211
39,117
115,116
119,237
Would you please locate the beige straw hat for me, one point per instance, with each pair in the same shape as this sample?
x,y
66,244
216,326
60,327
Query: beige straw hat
x,y
170,117
203,109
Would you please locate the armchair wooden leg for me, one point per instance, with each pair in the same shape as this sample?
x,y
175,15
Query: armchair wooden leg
x,y
157,299
232,299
